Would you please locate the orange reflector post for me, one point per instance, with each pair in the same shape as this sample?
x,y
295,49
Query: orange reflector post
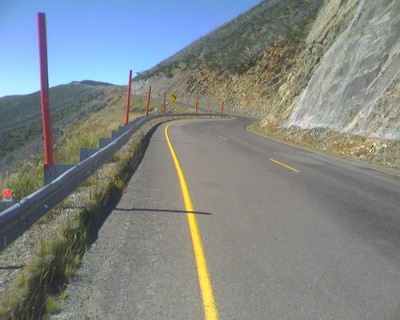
x,y
44,90
7,194
128,98
148,101
164,102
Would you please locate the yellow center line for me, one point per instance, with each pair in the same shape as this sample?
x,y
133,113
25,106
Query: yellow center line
x,y
210,309
223,138
284,165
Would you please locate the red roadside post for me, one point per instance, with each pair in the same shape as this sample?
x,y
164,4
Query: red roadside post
x,y
164,102
148,101
44,87
222,106
128,98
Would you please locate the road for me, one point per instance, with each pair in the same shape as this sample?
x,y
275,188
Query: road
x,y
286,234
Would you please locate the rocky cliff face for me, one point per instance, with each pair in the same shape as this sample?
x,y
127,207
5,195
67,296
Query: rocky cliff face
x,y
344,77
356,85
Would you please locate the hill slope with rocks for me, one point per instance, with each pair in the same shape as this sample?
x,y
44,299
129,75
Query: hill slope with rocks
x,y
332,64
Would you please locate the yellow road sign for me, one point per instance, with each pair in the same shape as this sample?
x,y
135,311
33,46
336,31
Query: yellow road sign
x,y
174,96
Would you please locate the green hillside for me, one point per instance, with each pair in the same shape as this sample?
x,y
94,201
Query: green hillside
x,y
233,47
20,116
15,110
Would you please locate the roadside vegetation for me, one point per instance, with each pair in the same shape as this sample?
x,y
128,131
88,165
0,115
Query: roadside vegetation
x,y
375,151
38,288
20,117
65,233
234,47
28,175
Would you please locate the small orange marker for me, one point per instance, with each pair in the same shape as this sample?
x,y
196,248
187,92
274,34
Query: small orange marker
x,y
7,194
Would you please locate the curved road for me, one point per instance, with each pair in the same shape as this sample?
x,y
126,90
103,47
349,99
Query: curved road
x,y
287,234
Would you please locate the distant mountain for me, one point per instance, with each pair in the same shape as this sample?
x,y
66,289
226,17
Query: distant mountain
x,y
96,83
64,99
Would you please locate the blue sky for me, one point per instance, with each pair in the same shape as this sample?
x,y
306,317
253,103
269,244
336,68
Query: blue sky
x,y
101,39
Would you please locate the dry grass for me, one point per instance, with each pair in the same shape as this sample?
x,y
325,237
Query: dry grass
x,y
376,151
28,176
38,288
43,279
27,179
87,133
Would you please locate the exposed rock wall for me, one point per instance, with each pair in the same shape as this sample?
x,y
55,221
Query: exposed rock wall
x,y
259,91
356,85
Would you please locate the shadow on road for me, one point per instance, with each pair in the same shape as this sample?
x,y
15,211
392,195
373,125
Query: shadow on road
x,y
95,224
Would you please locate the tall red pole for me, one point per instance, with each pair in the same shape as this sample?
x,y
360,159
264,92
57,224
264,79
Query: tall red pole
x,y
128,98
164,102
148,101
44,87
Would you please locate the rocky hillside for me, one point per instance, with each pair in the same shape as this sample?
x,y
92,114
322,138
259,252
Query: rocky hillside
x,y
331,64
356,87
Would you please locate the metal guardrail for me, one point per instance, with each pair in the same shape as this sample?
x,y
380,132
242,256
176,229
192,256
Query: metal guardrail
x,y
15,220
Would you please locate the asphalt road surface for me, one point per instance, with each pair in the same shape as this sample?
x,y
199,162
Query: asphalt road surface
x,y
286,234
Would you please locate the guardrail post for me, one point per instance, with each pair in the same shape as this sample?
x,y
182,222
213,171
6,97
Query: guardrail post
x,y
44,93
128,98
148,101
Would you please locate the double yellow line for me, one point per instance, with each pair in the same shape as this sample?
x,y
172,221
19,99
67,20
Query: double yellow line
x,y
210,309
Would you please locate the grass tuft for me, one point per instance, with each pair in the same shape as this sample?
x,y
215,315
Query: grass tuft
x,y
27,180
44,278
